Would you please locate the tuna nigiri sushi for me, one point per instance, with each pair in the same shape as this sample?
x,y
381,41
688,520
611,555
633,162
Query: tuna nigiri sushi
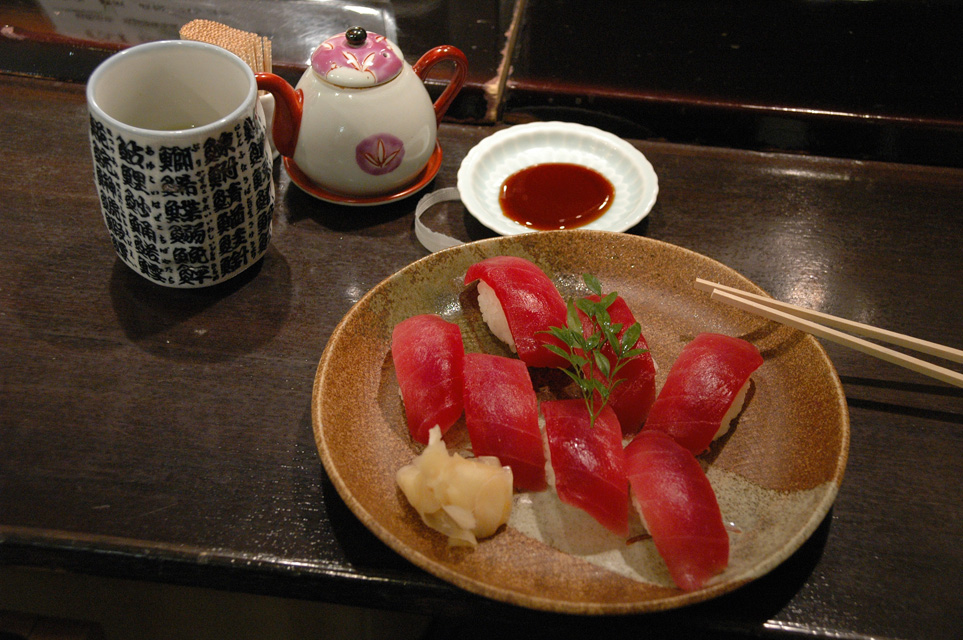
x,y
588,461
631,398
519,303
429,356
501,414
678,507
704,391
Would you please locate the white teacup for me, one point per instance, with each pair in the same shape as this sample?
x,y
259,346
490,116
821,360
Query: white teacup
x,y
181,161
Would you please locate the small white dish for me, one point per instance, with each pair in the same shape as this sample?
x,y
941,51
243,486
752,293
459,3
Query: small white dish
x,y
491,161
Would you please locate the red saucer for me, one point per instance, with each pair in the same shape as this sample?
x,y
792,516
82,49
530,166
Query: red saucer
x,y
421,181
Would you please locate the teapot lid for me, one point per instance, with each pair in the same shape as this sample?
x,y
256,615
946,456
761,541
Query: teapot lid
x,y
357,59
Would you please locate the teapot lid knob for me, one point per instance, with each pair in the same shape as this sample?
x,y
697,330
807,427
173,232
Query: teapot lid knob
x,y
357,59
355,36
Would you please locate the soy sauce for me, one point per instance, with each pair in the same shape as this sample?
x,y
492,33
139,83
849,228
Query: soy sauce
x,y
555,195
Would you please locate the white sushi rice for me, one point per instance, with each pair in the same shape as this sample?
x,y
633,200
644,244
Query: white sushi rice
x,y
734,409
494,315
549,469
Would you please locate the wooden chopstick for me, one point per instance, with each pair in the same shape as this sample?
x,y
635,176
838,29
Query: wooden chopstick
x,y
808,320
930,348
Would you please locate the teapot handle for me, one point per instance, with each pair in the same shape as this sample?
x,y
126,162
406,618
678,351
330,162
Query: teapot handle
x,y
433,57
287,111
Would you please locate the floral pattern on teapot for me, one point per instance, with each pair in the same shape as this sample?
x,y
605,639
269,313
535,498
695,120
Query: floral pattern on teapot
x,y
380,154
369,63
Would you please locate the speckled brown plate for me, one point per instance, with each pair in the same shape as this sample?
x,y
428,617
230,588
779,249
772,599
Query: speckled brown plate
x,y
776,474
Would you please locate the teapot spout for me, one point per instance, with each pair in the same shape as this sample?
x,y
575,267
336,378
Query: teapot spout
x,y
287,111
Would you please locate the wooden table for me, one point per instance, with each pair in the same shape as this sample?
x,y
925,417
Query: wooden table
x,y
166,435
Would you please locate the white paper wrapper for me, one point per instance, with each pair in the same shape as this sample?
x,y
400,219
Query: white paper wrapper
x,y
433,240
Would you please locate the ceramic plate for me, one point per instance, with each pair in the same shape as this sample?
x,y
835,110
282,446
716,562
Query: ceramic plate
x,y
776,473
495,158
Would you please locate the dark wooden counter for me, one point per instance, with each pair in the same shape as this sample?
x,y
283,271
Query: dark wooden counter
x,y
166,435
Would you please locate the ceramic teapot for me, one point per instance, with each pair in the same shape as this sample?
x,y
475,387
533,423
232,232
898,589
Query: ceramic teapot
x,y
360,123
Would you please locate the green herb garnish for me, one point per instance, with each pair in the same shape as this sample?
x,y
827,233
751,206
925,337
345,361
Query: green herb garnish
x,y
594,371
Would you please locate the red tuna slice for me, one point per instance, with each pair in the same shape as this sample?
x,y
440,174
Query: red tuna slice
x,y
632,398
700,389
679,508
531,303
501,414
588,461
429,356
